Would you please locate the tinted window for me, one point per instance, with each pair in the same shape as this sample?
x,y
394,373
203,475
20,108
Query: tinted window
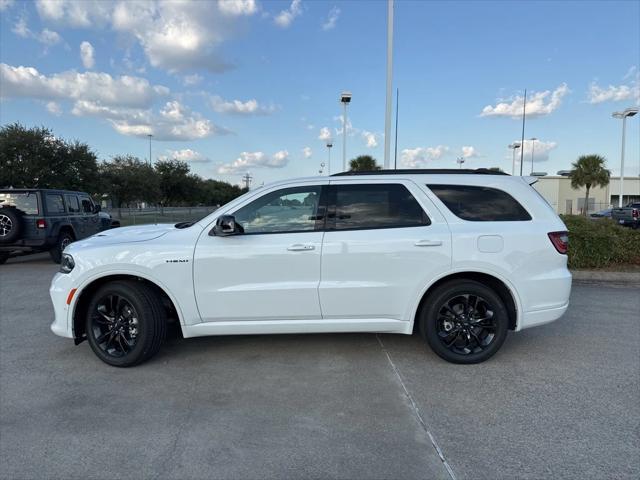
x,y
286,210
480,204
87,205
72,204
54,204
26,202
376,206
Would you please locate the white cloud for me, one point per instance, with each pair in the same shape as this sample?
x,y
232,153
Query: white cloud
x,y
238,107
286,17
541,151
54,108
101,88
332,18
307,152
613,93
190,80
325,134
350,129
469,152
46,37
76,13
418,157
185,155
249,160
237,7
538,104
370,138
86,54
5,4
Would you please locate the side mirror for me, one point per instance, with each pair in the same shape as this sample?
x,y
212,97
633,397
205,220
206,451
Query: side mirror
x,y
96,208
226,225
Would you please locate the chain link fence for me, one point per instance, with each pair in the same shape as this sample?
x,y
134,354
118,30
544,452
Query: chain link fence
x,y
140,216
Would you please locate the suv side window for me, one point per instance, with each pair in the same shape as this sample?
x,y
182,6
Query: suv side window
x,y
375,206
87,204
72,204
54,204
480,204
287,210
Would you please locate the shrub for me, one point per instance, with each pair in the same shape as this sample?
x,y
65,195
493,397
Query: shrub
x,y
600,243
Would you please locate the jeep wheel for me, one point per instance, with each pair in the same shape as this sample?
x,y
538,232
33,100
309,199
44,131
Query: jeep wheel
x,y
64,239
126,323
10,225
464,322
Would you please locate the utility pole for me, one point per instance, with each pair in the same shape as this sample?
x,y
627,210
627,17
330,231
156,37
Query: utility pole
x,y
524,116
395,155
247,180
149,135
387,117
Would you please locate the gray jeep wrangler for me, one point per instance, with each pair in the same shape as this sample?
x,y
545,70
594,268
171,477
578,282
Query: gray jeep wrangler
x,y
39,220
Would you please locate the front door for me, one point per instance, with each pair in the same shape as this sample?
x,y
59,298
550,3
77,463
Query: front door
x,y
272,270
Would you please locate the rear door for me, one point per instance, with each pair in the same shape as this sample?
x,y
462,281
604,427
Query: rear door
x,y
385,242
75,216
90,217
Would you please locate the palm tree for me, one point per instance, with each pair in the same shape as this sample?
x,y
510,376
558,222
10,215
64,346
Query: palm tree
x,y
589,171
363,163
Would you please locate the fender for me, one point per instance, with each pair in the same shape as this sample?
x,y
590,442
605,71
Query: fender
x,y
57,226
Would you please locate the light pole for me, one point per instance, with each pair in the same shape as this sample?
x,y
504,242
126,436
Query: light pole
x,y
629,112
149,135
389,101
533,149
329,145
460,161
345,99
514,146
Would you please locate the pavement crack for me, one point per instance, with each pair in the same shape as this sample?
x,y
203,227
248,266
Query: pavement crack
x,y
416,411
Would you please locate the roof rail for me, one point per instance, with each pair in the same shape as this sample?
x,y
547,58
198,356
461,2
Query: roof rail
x,y
423,171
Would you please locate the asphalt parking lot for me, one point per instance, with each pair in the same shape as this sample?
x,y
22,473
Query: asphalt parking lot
x,y
558,401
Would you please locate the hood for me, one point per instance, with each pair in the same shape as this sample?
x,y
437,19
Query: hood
x,y
113,236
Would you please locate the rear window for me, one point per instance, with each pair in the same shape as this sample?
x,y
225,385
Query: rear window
x,y
54,203
480,204
26,202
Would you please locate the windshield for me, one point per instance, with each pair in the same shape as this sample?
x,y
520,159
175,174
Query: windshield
x,y
26,202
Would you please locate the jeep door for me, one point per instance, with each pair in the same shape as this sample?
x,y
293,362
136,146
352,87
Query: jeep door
x,y
272,270
90,217
75,216
385,242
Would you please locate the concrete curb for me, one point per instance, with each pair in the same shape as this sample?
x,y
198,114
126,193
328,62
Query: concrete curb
x,y
597,276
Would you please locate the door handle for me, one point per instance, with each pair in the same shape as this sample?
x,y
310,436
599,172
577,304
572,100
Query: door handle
x,y
300,247
428,243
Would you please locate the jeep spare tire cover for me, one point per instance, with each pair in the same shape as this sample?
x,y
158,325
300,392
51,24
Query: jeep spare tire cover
x,y
10,225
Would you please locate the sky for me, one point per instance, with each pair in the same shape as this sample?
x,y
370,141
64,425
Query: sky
x,y
238,86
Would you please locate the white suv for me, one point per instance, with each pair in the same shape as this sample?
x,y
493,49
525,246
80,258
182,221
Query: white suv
x,y
461,256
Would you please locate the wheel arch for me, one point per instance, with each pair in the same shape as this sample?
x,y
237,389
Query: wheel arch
x,y
505,291
83,297
64,227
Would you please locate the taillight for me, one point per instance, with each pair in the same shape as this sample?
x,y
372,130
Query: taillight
x,y
560,240
41,223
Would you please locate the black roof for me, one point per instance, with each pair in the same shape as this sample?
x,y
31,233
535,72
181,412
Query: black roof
x,y
423,171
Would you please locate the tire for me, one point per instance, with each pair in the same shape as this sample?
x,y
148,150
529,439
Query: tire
x,y
3,258
10,225
463,321
137,317
64,239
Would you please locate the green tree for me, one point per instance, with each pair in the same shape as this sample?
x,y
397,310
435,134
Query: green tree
x,y
34,157
215,192
589,171
128,179
176,184
363,163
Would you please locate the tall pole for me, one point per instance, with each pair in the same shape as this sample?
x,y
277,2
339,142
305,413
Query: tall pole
x,y
533,149
149,148
395,155
344,137
387,118
624,127
524,116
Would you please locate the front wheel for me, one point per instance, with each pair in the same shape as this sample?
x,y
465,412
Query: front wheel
x,y
464,322
126,323
64,239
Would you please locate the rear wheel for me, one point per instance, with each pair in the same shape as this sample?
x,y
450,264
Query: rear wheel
x,y
126,323
464,321
64,239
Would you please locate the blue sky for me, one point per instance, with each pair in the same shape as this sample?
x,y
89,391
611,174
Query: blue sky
x,y
249,85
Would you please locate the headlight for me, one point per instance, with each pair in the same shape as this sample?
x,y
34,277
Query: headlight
x,y
67,263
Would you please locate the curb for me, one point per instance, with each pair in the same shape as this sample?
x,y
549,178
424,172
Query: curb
x,y
595,276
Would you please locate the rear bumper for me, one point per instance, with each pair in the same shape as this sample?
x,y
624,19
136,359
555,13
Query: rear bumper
x,y
540,317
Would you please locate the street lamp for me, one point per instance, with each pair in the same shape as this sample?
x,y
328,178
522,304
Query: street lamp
x,y
629,112
329,145
514,146
345,99
460,161
533,149
149,135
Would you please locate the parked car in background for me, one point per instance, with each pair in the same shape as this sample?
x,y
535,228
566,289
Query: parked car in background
x,y
41,220
606,213
462,256
628,216
108,221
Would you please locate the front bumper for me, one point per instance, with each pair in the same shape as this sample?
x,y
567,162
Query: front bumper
x,y
61,285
